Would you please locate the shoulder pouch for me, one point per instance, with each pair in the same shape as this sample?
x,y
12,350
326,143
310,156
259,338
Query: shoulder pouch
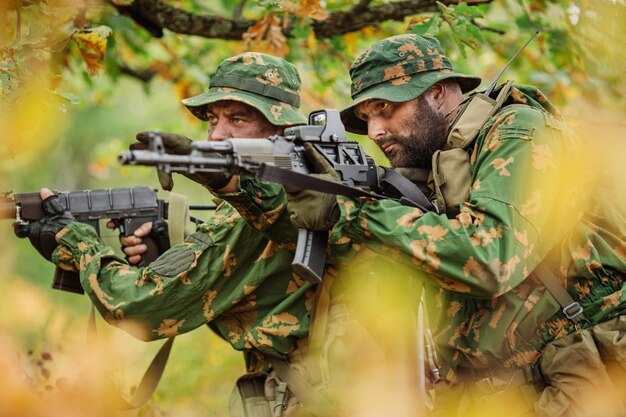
x,y
451,175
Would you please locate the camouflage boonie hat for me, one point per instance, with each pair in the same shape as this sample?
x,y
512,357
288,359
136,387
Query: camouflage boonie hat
x,y
399,69
268,83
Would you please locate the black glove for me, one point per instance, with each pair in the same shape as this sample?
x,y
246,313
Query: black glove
x,y
41,233
180,145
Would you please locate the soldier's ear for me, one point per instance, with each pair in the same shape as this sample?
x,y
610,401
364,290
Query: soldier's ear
x,y
435,95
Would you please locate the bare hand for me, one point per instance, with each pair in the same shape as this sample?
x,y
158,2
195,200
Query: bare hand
x,y
133,245
45,193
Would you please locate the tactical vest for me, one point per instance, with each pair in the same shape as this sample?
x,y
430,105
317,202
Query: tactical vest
x,y
449,182
450,178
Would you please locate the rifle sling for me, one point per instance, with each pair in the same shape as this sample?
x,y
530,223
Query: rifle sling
x,y
151,377
407,189
297,180
571,308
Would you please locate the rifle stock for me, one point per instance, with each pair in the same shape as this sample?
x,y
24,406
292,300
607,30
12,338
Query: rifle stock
x,y
128,207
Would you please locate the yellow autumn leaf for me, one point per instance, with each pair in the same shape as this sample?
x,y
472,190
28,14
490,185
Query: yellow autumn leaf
x,y
312,41
267,36
305,8
92,45
418,19
254,34
351,42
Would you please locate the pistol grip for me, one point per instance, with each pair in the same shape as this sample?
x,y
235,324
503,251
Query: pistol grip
x,y
151,241
310,256
151,253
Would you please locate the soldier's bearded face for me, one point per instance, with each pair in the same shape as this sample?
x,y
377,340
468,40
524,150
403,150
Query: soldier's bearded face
x,y
408,133
420,133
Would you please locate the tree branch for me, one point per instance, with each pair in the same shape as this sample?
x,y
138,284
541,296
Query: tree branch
x,y
144,75
156,15
487,28
362,15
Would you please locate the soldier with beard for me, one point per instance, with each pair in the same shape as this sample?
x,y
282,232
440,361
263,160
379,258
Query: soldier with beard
x,y
522,270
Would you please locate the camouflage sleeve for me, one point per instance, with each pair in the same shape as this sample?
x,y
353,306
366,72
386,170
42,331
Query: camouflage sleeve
x,y
263,205
522,201
225,272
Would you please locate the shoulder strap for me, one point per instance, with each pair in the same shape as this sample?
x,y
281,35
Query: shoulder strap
x,y
177,215
309,182
572,309
400,185
474,114
151,377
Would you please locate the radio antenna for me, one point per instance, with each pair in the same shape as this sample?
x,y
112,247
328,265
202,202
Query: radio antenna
x,y
493,84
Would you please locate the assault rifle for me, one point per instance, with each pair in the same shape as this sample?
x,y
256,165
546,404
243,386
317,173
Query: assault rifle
x,y
128,207
282,159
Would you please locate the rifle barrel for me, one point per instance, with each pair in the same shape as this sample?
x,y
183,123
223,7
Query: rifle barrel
x,y
178,163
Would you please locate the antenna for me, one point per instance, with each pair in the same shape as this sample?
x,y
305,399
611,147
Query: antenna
x,y
493,84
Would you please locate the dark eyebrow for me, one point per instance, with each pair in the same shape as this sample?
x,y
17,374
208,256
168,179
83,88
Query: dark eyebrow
x,y
239,113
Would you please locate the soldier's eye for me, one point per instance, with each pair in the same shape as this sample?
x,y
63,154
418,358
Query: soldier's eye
x,y
383,105
211,118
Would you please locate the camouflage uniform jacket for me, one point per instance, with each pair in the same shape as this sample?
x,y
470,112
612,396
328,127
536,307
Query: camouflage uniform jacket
x,y
531,199
249,292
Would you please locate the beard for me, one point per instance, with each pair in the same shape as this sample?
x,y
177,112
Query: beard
x,y
427,133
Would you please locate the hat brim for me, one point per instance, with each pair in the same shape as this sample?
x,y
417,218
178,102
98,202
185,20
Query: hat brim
x,y
400,93
276,112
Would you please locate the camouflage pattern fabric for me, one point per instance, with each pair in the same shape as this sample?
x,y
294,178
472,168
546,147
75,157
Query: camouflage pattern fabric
x,y
265,82
264,207
532,198
248,290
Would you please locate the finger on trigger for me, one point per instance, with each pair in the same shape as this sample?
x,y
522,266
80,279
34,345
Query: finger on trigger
x,y
143,230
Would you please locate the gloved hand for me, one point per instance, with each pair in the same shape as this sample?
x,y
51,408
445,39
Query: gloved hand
x,y
314,210
180,145
41,233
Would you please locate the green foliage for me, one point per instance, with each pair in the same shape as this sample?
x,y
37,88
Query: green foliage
x,y
428,27
461,19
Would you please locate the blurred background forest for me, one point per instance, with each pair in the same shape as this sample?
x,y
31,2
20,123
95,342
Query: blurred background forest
x,y
78,79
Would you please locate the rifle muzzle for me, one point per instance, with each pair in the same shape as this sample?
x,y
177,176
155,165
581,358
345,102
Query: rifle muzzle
x,y
125,158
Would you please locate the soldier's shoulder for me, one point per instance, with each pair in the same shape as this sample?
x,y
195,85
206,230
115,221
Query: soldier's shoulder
x,y
523,117
519,114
